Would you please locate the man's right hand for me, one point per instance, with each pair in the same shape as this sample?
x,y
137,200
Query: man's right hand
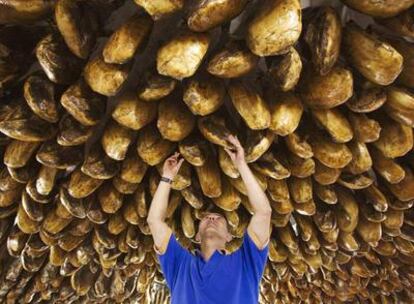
x,y
172,165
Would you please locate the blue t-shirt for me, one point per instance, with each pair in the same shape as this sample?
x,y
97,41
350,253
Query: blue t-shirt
x,y
229,279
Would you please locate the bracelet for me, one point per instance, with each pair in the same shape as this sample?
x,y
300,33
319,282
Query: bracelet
x,y
166,179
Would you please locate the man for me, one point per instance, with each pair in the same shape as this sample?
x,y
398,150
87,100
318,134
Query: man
x,y
212,276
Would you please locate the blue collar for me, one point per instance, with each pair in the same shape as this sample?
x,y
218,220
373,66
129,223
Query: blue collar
x,y
197,252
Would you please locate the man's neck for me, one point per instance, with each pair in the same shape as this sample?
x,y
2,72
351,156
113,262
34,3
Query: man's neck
x,y
208,246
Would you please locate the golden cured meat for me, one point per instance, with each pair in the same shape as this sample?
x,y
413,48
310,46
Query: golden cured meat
x,y
332,150
365,129
275,27
194,150
152,147
187,221
286,71
385,8
270,166
83,104
45,180
386,167
71,132
327,91
367,99
53,155
109,198
133,168
298,144
160,8
18,122
323,36
331,154
204,96
401,24
361,158
214,128
175,121
53,223
235,60
116,139
180,57
300,189
241,187
18,153
81,185
209,176
376,60
300,167
98,164
206,15
404,190
73,205
347,211
400,105
77,22
406,49
369,231
105,78
257,143
395,139
127,39
335,123
56,60
326,193
117,224
286,111
24,11
40,96
229,199
133,113
250,105
154,86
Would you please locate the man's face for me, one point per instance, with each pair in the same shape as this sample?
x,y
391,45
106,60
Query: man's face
x,y
213,224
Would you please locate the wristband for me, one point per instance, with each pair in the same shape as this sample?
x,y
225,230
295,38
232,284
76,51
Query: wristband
x,y
166,179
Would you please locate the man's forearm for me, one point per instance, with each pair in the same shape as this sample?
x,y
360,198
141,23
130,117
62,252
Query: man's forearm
x,y
257,197
159,203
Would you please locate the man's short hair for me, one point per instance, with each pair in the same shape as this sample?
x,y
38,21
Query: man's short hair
x,y
214,209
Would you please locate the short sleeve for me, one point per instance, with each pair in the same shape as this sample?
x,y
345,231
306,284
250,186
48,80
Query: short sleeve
x,y
171,260
254,257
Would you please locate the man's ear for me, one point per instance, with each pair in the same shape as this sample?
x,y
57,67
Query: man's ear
x,y
197,237
229,237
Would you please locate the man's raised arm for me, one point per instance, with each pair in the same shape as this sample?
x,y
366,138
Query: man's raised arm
x,y
158,209
259,226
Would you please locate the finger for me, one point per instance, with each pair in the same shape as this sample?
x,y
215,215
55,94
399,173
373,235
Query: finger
x,y
169,159
237,141
231,143
234,141
180,162
230,137
229,152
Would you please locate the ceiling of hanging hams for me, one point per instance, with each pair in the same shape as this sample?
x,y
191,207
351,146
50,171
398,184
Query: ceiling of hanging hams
x,y
94,95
